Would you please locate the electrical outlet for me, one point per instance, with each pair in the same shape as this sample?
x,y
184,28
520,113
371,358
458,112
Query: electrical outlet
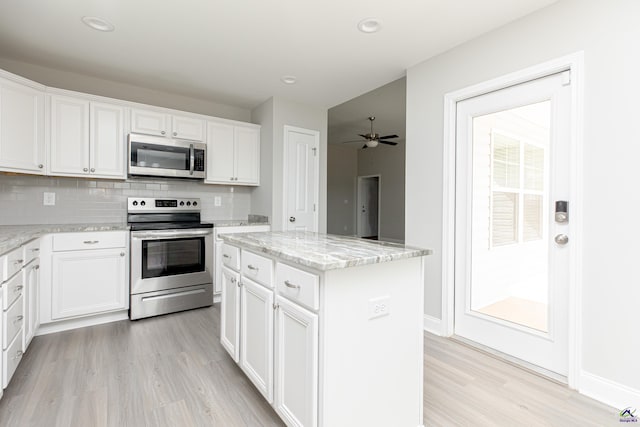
x,y
379,307
217,201
49,199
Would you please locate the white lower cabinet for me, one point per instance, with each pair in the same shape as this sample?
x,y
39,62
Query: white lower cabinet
x,y
256,332
31,302
230,312
296,364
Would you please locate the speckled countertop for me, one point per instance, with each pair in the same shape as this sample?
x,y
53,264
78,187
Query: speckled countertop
x,y
323,251
12,236
235,223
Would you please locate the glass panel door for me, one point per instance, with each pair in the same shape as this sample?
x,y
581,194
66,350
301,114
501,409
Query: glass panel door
x,y
170,257
159,156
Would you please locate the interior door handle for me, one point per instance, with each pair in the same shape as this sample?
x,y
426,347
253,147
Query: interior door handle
x,y
292,219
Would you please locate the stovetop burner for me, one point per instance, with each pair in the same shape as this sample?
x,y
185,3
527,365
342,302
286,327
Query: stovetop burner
x,y
137,226
148,213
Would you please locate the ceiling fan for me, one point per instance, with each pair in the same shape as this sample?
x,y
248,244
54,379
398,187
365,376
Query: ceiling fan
x,y
372,139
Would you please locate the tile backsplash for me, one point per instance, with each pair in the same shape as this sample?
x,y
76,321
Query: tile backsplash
x,y
103,201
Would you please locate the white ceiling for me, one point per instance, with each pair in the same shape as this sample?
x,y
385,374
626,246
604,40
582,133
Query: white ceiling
x,y
235,51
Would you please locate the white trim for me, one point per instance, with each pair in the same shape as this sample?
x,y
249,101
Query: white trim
x,y
358,181
316,195
574,63
609,392
433,325
82,322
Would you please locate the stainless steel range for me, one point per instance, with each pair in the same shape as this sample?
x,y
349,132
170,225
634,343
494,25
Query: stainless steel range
x,y
171,256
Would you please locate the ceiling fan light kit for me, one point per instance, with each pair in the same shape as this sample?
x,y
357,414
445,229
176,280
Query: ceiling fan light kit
x,y
372,139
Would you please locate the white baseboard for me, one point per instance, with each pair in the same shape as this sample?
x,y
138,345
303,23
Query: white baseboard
x,y
433,325
609,392
65,325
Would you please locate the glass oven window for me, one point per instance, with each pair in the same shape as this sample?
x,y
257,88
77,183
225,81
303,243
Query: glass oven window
x,y
159,156
169,257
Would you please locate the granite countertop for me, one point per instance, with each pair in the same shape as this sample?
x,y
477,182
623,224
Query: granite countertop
x,y
235,223
13,236
323,251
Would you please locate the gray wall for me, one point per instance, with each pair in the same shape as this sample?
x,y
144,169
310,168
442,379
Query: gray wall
x,y
262,196
608,33
95,86
103,201
280,112
341,186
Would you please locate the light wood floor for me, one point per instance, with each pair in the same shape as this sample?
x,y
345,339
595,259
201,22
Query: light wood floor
x,y
172,371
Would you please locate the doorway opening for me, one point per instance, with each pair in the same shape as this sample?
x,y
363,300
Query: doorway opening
x,y
368,218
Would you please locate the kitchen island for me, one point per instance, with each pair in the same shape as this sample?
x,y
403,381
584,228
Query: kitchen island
x,y
328,328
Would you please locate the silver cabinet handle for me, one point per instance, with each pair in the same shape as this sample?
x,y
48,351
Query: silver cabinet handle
x,y
162,132
562,239
233,280
175,134
231,179
18,288
251,267
93,170
192,159
292,219
18,261
122,254
40,166
18,355
35,250
91,242
18,319
288,284
85,169
225,256
36,267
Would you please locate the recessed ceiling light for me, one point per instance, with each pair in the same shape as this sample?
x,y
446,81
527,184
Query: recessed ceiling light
x,y
370,25
288,80
98,23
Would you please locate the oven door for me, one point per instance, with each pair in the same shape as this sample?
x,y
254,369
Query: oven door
x,y
170,259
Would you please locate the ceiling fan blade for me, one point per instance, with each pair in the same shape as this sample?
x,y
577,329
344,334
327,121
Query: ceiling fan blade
x,y
365,146
364,136
387,142
355,140
389,136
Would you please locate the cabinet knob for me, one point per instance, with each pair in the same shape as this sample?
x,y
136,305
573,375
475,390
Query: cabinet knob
x,y
36,267
233,280
18,261
231,178
93,170
122,254
18,319
162,132
40,165
175,134
85,169
292,219
18,288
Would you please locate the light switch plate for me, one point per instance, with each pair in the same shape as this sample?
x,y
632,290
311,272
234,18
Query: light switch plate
x,y
49,199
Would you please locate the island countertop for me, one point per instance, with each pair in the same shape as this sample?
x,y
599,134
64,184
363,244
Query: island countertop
x,y
323,251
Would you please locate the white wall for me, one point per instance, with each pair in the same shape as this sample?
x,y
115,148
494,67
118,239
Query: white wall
x,y
276,113
96,86
608,32
341,186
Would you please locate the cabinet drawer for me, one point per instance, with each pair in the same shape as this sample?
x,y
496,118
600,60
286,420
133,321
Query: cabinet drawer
x,y
231,257
298,285
14,262
10,359
12,290
30,251
257,268
13,320
92,240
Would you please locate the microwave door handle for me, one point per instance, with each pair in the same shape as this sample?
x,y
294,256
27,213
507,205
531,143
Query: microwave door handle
x,y
192,159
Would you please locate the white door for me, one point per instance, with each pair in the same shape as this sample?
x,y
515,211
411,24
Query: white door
x,y
230,313
187,128
256,335
368,206
31,302
247,155
220,161
511,256
107,141
301,179
296,396
69,136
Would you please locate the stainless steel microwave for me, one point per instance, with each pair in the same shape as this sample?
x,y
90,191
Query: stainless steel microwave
x,y
169,158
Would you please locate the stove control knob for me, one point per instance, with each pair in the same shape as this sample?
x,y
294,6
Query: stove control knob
x,y
142,203
195,203
135,203
188,203
181,203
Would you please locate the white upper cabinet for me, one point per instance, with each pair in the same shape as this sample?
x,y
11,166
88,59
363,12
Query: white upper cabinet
x,y
87,139
161,124
233,155
21,128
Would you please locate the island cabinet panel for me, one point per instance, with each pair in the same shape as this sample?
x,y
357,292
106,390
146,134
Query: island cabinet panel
x,y
230,313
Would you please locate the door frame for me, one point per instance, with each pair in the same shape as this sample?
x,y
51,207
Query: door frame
x,y
358,182
575,64
285,172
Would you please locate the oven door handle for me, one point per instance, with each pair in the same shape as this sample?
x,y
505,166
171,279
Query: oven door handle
x,y
192,159
155,235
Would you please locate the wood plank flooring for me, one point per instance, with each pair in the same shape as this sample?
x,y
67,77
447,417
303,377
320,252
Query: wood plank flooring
x,y
172,371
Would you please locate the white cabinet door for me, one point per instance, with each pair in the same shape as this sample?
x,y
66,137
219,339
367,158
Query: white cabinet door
x,y
256,335
21,128
31,302
107,141
88,282
296,382
187,128
69,150
230,313
220,161
149,122
247,155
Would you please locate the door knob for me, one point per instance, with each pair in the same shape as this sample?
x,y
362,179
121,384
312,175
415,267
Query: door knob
x,y
562,239
292,219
